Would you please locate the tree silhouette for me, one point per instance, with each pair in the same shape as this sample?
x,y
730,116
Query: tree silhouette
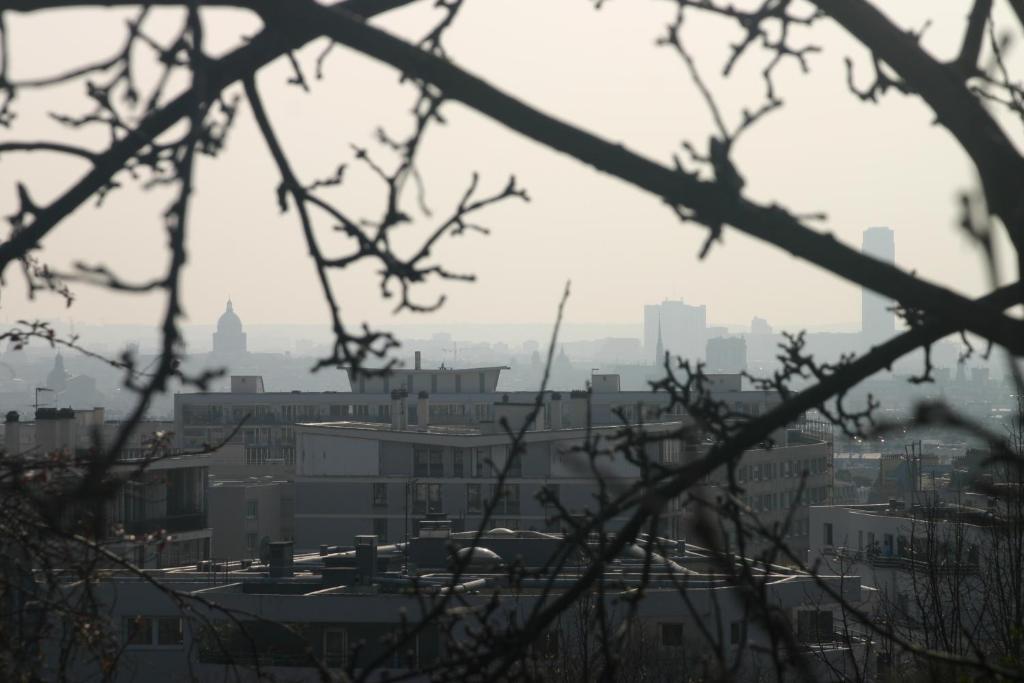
x,y
157,133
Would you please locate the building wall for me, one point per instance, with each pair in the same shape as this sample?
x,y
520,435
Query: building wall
x,y
242,515
268,433
333,504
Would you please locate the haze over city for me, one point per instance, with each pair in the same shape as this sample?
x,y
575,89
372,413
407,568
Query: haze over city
x,y
511,340
644,253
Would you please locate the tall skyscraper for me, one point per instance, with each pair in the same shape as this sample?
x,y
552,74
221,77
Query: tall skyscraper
x,y
683,329
877,322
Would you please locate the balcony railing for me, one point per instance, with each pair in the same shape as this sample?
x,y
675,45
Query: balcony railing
x,y
169,524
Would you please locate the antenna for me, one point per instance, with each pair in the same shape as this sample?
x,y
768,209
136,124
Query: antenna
x,y
38,389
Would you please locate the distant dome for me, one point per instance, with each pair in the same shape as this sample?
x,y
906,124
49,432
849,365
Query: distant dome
x,y
229,337
229,320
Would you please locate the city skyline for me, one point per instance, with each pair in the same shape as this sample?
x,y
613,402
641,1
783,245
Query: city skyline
x,y
499,340
228,255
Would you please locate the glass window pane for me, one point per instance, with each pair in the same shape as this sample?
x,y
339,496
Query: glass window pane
x,y
137,630
169,631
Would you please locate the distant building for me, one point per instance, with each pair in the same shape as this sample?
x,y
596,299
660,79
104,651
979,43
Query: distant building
x,y
683,328
878,323
462,397
357,477
246,515
158,516
726,355
229,337
68,389
57,379
760,326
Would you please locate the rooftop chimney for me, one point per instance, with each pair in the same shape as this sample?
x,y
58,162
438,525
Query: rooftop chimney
x,y
417,360
281,557
366,558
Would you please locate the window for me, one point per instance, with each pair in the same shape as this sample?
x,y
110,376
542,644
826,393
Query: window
x,y
137,630
335,646
380,529
814,626
168,631
546,646
251,509
427,498
380,495
671,635
428,462
515,467
473,502
407,658
142,631
250,543
507,499
670,452
828,533
554,492
458,463
482,466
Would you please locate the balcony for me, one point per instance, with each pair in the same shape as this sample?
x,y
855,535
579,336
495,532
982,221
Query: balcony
x,y
169,524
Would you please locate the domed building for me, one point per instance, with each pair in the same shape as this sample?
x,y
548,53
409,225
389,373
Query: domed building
x,y
229,337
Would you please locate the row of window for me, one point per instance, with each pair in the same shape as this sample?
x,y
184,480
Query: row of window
x,y
149,631
783,500
786,469
426,498
465,462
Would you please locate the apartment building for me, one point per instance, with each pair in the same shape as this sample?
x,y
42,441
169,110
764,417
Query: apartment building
x,y
247,515
263,422
361,477
344,606
356,477
157,517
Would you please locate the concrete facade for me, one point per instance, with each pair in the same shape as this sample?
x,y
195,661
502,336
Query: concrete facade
x,y
244,515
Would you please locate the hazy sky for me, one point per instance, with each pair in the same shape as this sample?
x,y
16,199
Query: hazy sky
x,y
862,164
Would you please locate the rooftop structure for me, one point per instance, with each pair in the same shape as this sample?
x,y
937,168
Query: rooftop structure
x,y
267,434
344,606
